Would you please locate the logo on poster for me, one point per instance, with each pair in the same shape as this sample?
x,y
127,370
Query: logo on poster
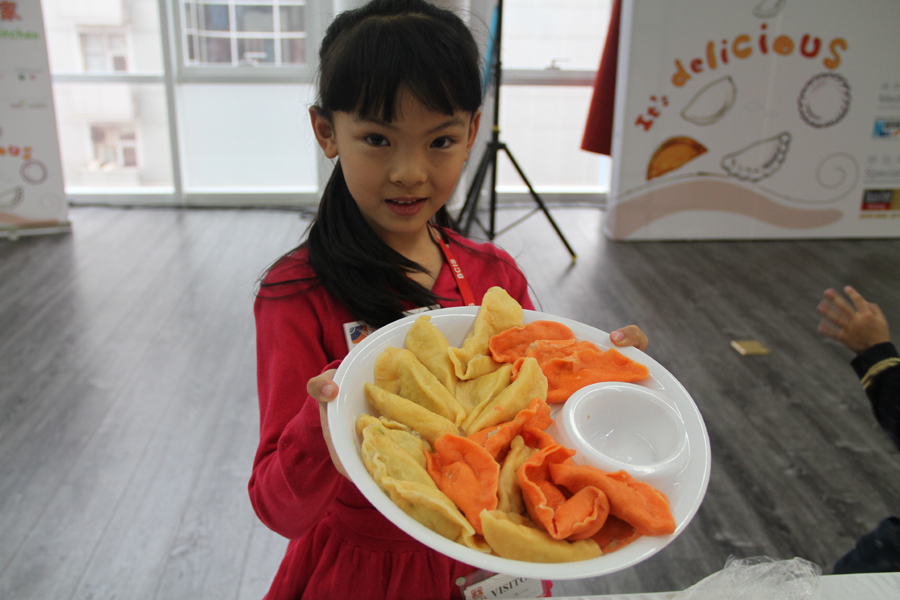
x,y
886,127
8,11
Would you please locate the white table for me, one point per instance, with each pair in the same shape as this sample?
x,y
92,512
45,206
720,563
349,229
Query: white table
x,y
872,586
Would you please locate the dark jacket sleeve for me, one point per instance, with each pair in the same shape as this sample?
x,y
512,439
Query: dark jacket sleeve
x,y
878,368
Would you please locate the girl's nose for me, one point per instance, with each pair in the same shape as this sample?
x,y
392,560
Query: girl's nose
x,y
409,170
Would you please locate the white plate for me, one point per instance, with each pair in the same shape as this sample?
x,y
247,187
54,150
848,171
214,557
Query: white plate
x,y
685,484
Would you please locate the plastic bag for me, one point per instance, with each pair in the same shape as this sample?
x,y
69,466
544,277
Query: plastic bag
x,y
759,578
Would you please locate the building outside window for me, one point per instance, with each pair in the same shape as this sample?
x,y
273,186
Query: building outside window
x,y
114,146
243,32
104,52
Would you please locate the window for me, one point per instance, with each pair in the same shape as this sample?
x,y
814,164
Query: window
x,y
243,32
104,52
134,126
563,34
550,53
114,146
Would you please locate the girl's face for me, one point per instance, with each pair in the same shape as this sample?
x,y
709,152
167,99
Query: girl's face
x,y
400,173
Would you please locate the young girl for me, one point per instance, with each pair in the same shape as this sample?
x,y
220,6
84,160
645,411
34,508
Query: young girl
x,y
398,105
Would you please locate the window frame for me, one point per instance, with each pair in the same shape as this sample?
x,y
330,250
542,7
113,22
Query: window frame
x,y
105,32
119,145
231,73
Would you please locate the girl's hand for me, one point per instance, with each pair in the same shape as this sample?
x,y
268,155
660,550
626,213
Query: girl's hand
x,y
323,389
858,326
630,335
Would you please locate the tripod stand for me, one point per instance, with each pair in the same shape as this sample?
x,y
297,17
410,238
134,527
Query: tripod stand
x,y
488,162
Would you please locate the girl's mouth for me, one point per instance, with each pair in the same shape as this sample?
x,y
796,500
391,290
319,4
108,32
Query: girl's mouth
x,y
406,205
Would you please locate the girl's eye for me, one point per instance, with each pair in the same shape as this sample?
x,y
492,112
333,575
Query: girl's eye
x,y
442,142
377,140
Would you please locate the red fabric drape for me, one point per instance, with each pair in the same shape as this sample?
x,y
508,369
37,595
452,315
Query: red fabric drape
x,y
599,128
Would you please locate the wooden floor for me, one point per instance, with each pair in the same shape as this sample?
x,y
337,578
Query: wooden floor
x,y
128,417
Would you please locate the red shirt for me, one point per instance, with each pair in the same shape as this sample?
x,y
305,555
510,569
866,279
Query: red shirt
x,y
341,547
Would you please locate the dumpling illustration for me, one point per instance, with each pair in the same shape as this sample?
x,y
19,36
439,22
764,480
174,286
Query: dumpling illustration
x,y
768,8
758,160
824,100
711,103
11,198
33,171
673,153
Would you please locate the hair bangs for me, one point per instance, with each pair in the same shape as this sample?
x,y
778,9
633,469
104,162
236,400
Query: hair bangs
x,y
365,71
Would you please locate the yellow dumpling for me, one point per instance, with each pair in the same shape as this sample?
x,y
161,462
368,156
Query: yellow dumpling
x,y
430,426
511,538
384,457
405,437
498,312
474,392
433,509
530,383
430,346
509,492
398,472
399,371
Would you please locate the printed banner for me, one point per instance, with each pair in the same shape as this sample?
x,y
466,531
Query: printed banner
x,y
754,119
32,197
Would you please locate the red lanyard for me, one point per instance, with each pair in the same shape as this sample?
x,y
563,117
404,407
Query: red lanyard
x,y
463,284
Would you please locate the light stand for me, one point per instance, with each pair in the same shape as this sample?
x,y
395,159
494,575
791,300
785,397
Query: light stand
x,y
467,214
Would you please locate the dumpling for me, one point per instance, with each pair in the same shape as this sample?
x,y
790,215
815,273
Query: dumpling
x,y
407,483
711,103
430,346
482,389
672,154
574,516
498,312
512,344
530,383
400,372
407,438
758,160
467,473
384,457
497,439
515,540
430,426
433,509
509,492
824,100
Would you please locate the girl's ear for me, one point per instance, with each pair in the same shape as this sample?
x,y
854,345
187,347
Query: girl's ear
x,y
473,130
324,131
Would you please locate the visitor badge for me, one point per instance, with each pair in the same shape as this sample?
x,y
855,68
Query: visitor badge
x,y
481,585
357,331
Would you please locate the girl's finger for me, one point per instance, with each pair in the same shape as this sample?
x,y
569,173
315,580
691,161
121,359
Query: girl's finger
x,y
630,336
858,301
828,310
322,388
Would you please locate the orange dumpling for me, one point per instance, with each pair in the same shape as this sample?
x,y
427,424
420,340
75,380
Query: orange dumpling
x,y
513,343
467,474
564,517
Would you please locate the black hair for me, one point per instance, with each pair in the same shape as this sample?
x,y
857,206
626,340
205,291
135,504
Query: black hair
x,y
367,57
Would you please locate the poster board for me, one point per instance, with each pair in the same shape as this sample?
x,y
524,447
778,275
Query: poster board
x,y
756,119
32,196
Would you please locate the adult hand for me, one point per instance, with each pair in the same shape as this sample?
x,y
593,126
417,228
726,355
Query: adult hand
x,y
323,389
630,335
858,324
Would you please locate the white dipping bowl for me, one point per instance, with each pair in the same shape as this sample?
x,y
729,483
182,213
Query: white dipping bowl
x,y
685,485
623,426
